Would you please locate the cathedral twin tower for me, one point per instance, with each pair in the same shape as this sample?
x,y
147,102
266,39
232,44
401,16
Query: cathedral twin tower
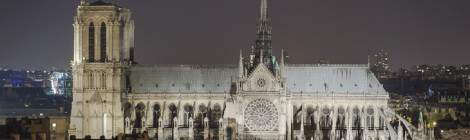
x,y
103,51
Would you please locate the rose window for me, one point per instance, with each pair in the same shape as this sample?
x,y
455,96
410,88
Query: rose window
x,y
261,115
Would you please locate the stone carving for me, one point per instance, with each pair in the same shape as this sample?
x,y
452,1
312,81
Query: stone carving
x,y
261,82
261,115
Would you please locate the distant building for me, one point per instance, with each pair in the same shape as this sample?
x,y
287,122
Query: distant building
x,y
61,83
381,64
452,96
24,78
35,124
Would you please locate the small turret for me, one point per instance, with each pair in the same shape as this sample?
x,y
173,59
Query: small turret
x,y
421,122
282,63
240,65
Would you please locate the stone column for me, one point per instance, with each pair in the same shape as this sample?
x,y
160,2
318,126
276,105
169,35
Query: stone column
x,y
206,128
160,129
334,117
191,129
363,124
348,123
302,119
317,122
175,129
376,121
376,118
289,121
221,129
116,42
97,42
181,113
149,115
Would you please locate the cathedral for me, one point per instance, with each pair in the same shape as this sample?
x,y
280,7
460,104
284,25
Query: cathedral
x,y
260,97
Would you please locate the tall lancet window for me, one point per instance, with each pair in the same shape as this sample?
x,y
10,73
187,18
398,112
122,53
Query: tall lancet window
x,y
91,42
103,42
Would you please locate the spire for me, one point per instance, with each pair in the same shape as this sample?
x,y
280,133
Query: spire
x,y
264,23
421,122
264,10
282,57
263,49
241,68
281,68
261,52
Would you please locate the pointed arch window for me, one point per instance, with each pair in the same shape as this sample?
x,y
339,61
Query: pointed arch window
x,y
91,42
103,43
131,57
103,80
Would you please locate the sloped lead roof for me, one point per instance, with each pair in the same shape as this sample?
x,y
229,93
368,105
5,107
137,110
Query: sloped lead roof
x,y
332,78
300,78
183,78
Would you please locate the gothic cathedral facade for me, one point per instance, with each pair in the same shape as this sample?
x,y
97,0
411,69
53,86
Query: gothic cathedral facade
x,y
103,52
261,97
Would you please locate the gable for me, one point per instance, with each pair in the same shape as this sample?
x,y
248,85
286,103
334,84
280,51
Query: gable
x,y
261,79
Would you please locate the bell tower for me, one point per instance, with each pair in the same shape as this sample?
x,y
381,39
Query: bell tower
x,y
103,52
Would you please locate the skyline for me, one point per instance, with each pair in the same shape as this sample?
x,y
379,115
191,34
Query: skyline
x,y
343,32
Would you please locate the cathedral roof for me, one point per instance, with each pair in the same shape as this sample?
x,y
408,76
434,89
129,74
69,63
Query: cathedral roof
x,y
300,78
317,78
183,78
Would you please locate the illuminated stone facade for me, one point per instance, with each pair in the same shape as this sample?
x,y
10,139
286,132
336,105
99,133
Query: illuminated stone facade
x,y
261,97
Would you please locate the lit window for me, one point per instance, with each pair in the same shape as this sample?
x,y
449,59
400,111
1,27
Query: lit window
x,y
54,125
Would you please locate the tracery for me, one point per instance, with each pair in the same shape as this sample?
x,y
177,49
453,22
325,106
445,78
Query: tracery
x,y
261,115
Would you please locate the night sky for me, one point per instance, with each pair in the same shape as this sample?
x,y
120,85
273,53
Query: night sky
x,y
38,34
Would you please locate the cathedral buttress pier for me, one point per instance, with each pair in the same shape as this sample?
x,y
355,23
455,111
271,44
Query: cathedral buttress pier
x,y
260,98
